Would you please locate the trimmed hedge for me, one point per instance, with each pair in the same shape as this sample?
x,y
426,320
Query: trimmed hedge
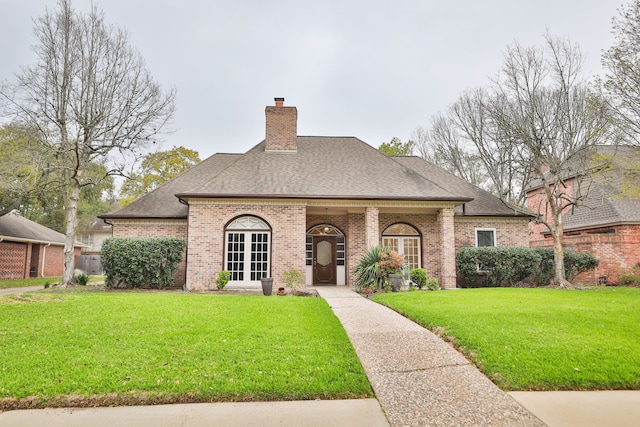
x,y
141,262
506,266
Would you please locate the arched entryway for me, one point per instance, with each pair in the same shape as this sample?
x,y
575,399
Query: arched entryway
x,y
325,255
247,250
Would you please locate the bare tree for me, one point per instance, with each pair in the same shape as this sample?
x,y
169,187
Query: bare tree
x,y
553,117
539,118
475,116
444,146
91,99
621,61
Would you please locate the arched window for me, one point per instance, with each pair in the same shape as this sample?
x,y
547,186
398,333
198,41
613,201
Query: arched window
x,y
247,249
405,240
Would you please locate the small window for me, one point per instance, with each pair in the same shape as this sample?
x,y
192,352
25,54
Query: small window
x,y
485,237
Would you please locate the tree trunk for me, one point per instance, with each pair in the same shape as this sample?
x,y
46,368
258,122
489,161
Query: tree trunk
x,y
71,210
559,278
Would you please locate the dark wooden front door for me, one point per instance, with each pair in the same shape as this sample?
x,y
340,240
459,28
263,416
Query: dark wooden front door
x,y
324,260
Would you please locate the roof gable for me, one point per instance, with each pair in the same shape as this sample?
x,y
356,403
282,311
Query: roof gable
x,y
483,203
322,167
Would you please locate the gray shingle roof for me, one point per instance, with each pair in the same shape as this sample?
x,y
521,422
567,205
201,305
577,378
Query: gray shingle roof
x,y
162,203
603,206
483,203
322,167
17,228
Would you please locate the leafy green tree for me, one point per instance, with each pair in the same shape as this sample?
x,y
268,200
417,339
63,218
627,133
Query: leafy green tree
x,y
92,101
22,167
396,147
156,169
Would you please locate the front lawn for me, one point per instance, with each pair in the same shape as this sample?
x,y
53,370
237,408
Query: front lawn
x,y
38,281
24,283
132,348
538,339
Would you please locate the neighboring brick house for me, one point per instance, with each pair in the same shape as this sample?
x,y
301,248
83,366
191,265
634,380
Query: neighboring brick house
x,y
607,222
316,204
28,249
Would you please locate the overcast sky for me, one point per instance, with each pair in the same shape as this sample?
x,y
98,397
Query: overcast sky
x,y
373,69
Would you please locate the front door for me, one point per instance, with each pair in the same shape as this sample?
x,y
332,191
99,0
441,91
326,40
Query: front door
x,y
324,260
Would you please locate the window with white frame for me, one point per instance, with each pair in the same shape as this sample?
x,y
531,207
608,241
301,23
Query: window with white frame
x,y
247,248
485,237
405,240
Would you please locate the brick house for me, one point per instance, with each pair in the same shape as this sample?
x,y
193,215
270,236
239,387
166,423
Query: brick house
x,y
607,222
28,249
316,204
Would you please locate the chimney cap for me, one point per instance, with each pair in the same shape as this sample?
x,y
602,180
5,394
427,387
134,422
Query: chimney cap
x,y
279,102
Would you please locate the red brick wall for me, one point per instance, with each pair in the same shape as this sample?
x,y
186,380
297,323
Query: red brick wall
x,y
621,249
16,260
281,129
13,257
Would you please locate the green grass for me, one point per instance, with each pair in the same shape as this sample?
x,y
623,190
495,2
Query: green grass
x,y
538,339
39,281
128,348
24,283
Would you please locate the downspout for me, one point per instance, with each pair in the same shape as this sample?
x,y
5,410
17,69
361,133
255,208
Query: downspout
x,y
44,256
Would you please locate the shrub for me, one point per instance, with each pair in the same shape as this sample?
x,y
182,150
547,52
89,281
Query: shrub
x,y
496,266
574,264
625,276
292,278
578,262
81,278
223,278
419,277
433,284
141,262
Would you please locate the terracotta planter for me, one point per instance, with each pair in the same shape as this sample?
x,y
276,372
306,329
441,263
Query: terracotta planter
x,y
267,285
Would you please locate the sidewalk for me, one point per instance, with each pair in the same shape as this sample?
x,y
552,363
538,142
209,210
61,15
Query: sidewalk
x,y
419,379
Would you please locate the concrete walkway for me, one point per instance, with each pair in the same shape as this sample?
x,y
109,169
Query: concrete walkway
x,y
419,379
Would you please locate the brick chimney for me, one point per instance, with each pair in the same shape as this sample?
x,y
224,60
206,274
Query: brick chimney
x,y
282,128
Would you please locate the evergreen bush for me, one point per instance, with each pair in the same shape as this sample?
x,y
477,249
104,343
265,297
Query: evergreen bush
x,y
141,262
505,266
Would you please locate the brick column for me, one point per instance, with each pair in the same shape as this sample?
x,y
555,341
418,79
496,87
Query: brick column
x,y
372,232
448,244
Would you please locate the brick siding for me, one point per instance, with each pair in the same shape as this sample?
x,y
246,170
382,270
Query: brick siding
x,y
618,250
13,257
155,228
207,222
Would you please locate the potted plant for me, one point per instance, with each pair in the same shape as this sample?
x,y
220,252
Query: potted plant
x,y
267,285
391,265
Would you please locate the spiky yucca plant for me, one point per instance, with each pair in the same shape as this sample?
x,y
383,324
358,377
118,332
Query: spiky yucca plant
x,y
374,267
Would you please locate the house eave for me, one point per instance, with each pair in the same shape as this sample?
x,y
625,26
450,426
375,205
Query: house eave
x,y
39,242
184,197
